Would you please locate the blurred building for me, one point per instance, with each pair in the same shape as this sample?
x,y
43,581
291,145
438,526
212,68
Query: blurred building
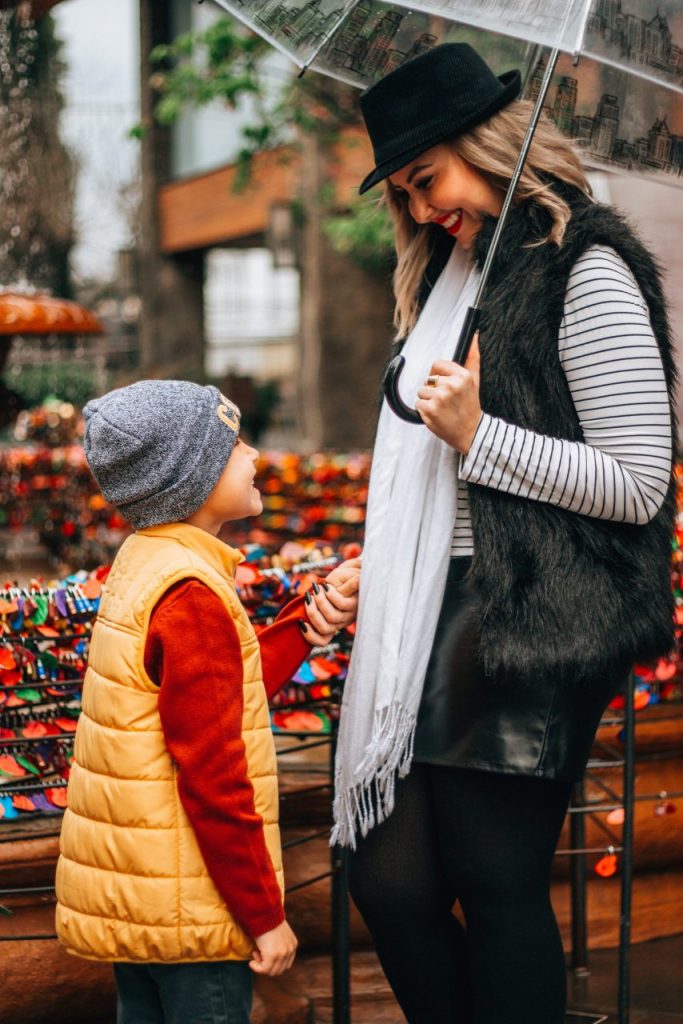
x,y
230,282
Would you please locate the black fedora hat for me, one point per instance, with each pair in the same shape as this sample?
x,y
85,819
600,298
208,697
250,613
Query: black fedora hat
x,y
429,99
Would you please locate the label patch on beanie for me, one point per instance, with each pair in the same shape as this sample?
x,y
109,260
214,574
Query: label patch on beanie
x,y
228,412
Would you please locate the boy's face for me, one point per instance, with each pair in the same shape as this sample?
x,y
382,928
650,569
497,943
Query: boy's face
x,y
234,495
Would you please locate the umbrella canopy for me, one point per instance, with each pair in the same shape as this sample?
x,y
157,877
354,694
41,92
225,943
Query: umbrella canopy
x,y
623,103
617,91
41,314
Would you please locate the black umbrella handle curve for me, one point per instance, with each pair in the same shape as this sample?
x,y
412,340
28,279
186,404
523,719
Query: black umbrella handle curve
x,y
394,370
392,377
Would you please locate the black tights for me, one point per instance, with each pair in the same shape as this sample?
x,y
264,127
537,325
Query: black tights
x,y
486,840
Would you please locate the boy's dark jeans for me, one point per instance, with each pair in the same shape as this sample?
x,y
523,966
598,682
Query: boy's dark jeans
x,y
199,993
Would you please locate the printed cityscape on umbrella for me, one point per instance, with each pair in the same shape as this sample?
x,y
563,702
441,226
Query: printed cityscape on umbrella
x,y
615,117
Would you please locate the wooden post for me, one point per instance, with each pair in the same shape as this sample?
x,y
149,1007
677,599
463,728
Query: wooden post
x,y
171,287
346,328
310,398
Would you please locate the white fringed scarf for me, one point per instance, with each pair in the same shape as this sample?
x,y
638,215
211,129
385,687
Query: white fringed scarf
x,y
409,529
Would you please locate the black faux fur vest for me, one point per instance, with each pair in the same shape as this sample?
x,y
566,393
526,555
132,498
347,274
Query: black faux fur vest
x,y
561,597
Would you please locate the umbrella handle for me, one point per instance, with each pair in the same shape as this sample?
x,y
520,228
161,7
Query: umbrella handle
x,y
394,400
469,329
394,370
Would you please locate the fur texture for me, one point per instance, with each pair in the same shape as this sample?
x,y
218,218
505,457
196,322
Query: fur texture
x,y
561,597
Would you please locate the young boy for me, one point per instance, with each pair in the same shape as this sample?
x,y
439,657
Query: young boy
x,y
170,859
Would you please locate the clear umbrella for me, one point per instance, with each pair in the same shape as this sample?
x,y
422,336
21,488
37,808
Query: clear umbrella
x,y
608,72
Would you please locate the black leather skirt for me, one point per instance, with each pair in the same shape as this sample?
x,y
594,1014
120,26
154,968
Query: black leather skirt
x,y
470,720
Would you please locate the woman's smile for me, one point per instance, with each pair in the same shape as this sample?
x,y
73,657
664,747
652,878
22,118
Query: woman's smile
x,y
451,222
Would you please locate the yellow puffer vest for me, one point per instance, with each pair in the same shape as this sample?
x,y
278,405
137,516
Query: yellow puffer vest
x,y
131,882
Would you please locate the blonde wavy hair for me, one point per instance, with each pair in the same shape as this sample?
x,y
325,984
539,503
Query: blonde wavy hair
x,y
491,148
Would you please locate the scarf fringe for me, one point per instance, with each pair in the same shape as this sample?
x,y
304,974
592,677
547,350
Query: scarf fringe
x,y
409,528
388,756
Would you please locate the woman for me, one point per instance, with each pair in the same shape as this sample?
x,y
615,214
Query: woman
x,y
486,651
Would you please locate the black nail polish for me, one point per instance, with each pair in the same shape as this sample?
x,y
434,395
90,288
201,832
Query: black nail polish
x,y
307,597
302,626
325,586
316,588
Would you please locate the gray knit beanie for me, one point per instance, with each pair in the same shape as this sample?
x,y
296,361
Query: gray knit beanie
x,y
158,447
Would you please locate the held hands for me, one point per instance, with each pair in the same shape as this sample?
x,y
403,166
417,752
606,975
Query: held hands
x,y
274,951
333,604
451,410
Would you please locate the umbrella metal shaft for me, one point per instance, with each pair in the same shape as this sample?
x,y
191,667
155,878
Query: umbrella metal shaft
x,y
517,173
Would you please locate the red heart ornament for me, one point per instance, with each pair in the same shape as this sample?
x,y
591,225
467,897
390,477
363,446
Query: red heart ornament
x,y
7,659
665,669
606,866
57,796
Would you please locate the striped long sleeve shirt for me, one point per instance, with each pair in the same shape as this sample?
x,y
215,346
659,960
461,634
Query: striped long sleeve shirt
x,y
615,375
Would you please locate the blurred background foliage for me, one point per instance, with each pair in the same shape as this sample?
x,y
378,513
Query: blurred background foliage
x,y
229,64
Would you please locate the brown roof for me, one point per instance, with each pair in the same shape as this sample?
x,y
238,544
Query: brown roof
x,y
41,314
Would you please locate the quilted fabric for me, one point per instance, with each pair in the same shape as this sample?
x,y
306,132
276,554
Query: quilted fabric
x,y
131,881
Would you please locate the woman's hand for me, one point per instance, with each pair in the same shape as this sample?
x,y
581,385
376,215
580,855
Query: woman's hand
x,y
333,604
451,410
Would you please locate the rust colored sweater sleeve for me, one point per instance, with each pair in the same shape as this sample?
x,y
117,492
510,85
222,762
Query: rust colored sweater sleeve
x,y
283,647
193,653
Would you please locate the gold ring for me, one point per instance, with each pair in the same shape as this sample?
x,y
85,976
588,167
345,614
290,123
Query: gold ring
x,y
432,381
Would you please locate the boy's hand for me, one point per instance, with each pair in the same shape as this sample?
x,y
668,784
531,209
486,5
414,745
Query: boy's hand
x,y
346,577
275,951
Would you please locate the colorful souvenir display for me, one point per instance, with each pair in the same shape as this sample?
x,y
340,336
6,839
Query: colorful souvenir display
x,y
320,495
44,637
655,683
664,681
46,487
50,492
265,584
44,630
